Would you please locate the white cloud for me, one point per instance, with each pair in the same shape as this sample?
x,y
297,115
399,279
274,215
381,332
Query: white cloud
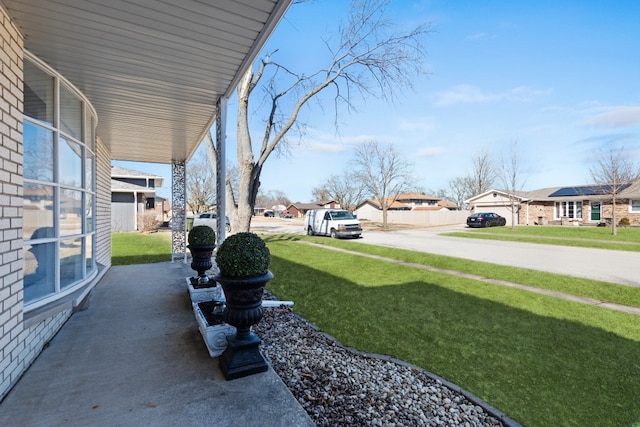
x,y
420,125
468,94
430,152
617,117
325,147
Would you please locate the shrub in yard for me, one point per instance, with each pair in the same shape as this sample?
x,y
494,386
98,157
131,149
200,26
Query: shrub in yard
x,y
148,222
624,222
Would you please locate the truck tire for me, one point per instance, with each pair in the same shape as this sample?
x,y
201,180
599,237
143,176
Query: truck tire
x,y
333,234
309,231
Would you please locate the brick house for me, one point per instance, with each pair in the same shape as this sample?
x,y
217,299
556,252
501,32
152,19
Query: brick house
x,y
582,204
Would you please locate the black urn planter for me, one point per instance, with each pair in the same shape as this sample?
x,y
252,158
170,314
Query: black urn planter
x,y
201,262
243,309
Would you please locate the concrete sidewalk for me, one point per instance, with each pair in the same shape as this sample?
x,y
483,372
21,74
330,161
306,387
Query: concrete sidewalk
x,y
135,357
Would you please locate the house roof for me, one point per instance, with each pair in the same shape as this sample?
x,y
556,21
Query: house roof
x,y
394,205
568,193
127,187
153,70
415,196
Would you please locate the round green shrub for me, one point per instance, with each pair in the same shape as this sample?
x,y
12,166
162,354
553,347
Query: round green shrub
x,y
243,255
624,222
201,235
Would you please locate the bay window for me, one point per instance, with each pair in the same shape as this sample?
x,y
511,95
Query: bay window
x,y
59,191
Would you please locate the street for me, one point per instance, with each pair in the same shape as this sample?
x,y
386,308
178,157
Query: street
x,y
599,264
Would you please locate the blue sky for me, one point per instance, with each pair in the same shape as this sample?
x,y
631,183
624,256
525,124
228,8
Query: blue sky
x,y
562,79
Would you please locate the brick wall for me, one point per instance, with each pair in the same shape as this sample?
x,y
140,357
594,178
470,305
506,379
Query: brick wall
x,y
12,334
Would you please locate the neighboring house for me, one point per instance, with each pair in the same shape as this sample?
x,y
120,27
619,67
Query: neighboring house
x,y
82,84
371,208
298,210
133,194
582,204
412,208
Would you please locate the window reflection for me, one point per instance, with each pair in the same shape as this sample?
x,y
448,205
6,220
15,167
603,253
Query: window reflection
x,y
70,262
38,93
38,208
70,163
38,152
39,270
71,212
70,113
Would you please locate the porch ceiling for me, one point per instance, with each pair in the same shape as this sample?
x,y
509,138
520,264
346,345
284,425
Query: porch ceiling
x,y
152,69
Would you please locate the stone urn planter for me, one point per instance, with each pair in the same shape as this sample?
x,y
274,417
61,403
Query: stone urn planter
x,y
243,260
212,327
201,243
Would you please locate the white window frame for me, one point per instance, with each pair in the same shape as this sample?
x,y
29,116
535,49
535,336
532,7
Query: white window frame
x,y
634,206
86,188
564,207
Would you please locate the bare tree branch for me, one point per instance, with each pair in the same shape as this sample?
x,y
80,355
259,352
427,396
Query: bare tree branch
x,y
373,57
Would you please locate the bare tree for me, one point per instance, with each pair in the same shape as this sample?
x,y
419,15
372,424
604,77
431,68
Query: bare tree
x,y
345,188
201,184
383,172
271,198
373,56
483,174
321,193
460,190
612,170
509,176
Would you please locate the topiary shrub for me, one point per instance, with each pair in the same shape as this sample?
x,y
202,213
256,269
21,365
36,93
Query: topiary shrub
x,y
624,222
201,235
243,255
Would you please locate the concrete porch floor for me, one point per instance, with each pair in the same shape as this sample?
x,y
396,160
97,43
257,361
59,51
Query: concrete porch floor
x,y
135,357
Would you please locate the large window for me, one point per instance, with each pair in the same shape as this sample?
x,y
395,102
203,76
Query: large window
x,y
571,210
634,206
59,193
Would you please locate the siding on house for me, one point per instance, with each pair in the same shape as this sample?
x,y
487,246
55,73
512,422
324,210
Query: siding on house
x,y
103,204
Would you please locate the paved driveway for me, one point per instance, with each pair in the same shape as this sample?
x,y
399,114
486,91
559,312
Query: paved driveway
x,y
599,264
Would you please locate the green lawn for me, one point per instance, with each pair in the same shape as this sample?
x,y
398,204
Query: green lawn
x,y
541,360
140,248
626,239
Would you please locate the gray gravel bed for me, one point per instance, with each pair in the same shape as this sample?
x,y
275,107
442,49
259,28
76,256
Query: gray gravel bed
x,y
338,386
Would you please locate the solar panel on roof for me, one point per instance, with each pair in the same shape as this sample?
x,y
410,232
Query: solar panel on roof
x,y
586,190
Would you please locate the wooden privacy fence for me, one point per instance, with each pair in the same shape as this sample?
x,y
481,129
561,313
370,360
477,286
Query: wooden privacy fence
x,y
426,218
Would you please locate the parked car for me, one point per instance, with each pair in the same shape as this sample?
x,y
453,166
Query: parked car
x,y
211,219
286,214
269,213
486,219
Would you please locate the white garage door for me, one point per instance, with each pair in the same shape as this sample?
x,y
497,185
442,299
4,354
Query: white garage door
x,y
500,210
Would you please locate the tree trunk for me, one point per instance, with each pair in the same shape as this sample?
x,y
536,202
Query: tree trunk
x,y
243,209
384,216
614,231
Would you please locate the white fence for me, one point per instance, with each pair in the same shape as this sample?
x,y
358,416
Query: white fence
x,y
426,218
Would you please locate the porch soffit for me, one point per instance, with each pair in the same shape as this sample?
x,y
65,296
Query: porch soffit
x,y
152,70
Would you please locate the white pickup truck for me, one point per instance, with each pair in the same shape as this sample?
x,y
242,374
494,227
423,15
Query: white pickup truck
x,y
331,222
210,219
